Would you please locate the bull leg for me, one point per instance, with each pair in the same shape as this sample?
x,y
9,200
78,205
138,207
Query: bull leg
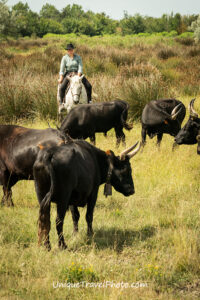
x,y
7,197
89,213
75,216
144,134
7,181
123,138
159,138
61,211
119,133
44,226
92,139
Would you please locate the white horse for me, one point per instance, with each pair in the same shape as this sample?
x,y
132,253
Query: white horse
x,y
76,94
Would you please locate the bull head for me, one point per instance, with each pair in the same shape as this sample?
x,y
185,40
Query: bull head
x,y
190,133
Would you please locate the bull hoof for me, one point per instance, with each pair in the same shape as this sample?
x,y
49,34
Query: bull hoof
x,y
90,233
75,231
7,203
48,246
62,246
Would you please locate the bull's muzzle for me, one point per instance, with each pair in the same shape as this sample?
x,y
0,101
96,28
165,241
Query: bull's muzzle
x,y
198,146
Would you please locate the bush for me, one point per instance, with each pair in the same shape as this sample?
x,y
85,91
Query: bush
x,y
166,53
194,52
186,41
139,91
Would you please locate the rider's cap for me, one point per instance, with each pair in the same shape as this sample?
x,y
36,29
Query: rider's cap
x,y
69,46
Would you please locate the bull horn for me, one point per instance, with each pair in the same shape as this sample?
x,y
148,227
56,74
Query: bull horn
x,y
174,112
125,152
68,77
81,77
134,152
192,110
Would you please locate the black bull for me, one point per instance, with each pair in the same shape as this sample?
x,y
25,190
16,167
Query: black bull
x,y
85,120
70,175
162,116
190,133
18,151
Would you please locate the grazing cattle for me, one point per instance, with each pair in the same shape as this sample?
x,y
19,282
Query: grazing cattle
x,y
18,151
70,175
85,120
162,116
190,133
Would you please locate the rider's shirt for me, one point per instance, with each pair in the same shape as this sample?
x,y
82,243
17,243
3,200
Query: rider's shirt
x,y
69,64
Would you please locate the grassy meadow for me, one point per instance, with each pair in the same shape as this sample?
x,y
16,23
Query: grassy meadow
x,y
152,237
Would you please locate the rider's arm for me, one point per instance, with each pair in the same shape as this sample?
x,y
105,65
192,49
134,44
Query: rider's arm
x,y
80,66
62,69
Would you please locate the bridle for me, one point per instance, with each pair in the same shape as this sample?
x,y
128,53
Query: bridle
x,y
77,94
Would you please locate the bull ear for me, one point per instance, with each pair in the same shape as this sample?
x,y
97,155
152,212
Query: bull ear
x,y
40,146
81,77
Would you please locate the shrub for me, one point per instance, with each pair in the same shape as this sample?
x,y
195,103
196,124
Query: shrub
x,y
166,53
186,41
194,52
139,91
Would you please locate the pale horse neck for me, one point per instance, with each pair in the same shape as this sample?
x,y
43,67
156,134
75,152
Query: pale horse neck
x,y
75,92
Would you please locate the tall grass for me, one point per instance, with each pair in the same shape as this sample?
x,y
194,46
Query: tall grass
x,y
151,237
135,71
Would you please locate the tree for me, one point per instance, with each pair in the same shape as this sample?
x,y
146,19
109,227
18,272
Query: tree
x,y
49,11
132,24
7,20
195,26
26,21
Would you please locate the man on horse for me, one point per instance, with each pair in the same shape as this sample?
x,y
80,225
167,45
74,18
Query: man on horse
x,y
71,64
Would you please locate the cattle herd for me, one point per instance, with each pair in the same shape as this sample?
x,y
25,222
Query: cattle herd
x,y
68,170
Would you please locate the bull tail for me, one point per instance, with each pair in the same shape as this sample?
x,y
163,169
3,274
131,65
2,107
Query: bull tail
x,y
124,118
46,202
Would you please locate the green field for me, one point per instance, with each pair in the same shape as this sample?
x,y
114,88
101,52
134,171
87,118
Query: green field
x,y
152,237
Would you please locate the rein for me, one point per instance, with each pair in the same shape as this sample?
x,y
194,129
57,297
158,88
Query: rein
x,y
76,95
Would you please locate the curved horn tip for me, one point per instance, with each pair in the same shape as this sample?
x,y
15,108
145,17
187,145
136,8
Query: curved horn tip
x,y
191,108
134,152
126,151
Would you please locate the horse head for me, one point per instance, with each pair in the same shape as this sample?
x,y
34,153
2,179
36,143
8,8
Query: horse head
x,y
75,87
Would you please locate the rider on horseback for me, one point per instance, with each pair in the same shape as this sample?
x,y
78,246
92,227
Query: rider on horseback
x,y
72,63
